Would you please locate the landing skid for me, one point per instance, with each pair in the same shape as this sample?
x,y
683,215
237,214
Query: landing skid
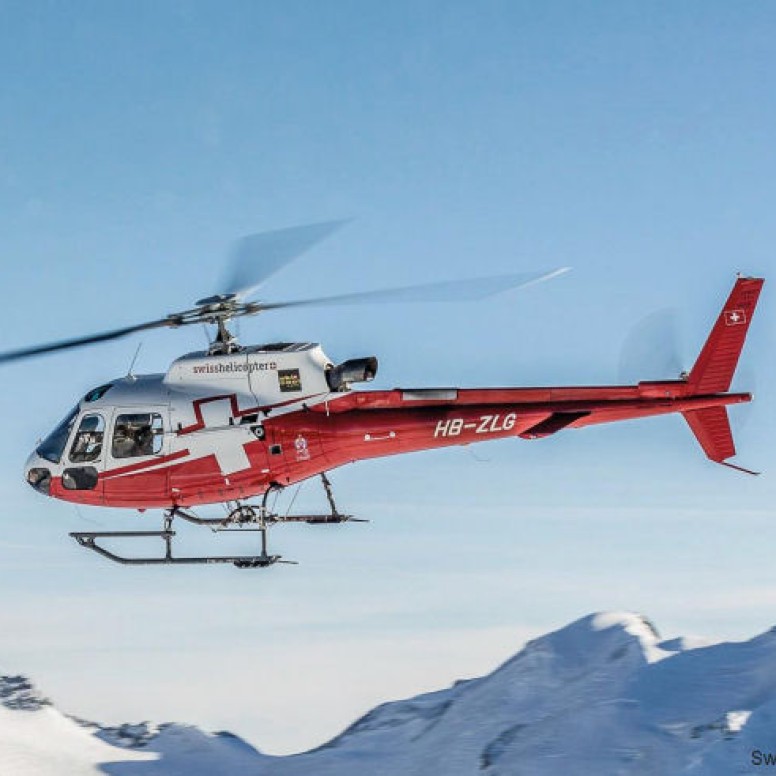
x,y
89,540
242,515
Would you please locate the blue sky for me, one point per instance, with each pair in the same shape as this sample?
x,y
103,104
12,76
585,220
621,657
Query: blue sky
x,y
633,141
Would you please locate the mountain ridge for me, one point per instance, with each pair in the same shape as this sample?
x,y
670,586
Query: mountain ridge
x,y
602,695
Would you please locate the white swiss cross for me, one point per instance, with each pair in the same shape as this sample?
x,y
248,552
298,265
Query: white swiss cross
x,y
218,438
228,446
734,317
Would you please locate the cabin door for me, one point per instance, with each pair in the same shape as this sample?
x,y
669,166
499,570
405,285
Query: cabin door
x,y
137,444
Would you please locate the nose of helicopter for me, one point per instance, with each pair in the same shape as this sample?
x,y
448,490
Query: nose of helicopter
x,y
37,474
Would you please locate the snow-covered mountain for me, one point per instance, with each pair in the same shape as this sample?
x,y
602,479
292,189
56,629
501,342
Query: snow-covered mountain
x,y
601,696
38,740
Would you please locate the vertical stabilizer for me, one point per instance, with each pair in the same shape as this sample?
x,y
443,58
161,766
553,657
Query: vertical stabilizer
x,y
712,430
711,427
716,364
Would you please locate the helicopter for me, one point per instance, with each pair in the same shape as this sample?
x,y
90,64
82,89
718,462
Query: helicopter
x,y
236,423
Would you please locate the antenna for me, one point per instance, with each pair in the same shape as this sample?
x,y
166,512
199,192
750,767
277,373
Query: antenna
x,y
134,359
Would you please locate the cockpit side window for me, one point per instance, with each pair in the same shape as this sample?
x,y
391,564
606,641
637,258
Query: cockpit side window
x,y
52,447
137,434
87,444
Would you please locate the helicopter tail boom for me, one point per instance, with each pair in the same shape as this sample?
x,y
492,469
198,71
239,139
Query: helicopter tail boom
x,y
467,415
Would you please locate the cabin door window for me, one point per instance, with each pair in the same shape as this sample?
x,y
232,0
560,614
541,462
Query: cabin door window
x,y
137,434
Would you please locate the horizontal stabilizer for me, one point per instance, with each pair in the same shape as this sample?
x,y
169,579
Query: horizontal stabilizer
x,y
551,425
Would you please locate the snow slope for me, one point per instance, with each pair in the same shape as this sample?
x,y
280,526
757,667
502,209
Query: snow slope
x,y
601,696
38,740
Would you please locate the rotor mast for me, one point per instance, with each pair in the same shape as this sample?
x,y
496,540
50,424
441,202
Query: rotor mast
x,y
219,310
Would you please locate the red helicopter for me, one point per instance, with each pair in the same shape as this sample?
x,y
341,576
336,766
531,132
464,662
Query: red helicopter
x,y
236,422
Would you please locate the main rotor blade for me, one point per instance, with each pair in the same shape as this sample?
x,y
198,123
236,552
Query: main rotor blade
x,y
256,257
450,291
77,342
226,308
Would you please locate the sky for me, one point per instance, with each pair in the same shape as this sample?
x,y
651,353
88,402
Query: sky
x,y
632,141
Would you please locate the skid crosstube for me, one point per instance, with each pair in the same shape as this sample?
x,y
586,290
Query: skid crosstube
x,y
89,540
240,516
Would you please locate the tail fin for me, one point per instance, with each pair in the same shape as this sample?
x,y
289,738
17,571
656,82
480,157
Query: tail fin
x,y
713,371
711,427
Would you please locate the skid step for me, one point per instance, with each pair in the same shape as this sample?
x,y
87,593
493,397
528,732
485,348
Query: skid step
x,y
325,519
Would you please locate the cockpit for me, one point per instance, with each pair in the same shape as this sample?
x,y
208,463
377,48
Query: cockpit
x,y
91,436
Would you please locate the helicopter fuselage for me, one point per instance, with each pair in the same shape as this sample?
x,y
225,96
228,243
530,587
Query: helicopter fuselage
x,y
227,427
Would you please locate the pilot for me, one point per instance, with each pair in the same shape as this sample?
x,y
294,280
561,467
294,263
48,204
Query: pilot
x,y
87,446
